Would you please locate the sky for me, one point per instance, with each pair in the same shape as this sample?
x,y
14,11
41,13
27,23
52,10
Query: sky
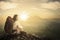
x,y
43,7
38,10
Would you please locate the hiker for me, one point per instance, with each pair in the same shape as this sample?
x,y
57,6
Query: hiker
x,y
12,25
17,28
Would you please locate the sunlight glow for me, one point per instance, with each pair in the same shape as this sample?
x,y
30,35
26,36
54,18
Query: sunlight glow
x,y
24,16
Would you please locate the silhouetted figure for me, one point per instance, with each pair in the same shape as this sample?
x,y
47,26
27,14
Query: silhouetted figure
x,y
8,25
12,25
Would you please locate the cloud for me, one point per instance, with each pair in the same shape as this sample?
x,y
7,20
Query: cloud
x,y
7,5
33,1
54,0
43,10
21,0
51,5
4,0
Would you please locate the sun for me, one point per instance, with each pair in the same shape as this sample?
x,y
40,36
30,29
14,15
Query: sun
x,y
24,16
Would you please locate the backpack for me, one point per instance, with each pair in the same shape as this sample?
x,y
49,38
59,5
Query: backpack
x,y
8,25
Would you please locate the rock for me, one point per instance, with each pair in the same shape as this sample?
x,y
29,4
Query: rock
x,y
22,36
